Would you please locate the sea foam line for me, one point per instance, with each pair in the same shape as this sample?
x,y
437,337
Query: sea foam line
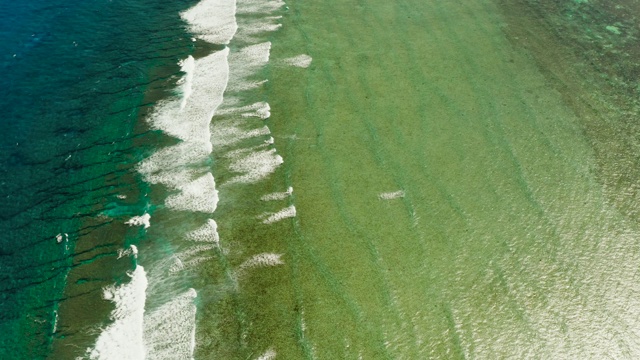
x,y
188,119
169,331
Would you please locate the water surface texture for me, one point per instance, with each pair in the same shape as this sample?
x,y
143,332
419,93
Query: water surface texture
x,y
266,179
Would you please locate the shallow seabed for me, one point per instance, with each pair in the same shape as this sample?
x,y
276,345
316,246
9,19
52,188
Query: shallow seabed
x,y
450,194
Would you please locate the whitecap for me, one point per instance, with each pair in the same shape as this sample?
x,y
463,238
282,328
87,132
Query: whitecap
x,y
123,339
254,165
206,233
143,220
213,21
198,195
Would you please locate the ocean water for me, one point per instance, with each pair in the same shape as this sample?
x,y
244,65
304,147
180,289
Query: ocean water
x,y
76,77
245,179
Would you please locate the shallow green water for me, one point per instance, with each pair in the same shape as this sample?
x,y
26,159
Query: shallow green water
x,y
503,239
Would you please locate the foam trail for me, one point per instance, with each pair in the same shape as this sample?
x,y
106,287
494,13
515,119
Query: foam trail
x,y
174,165
260,109
206,233
259,7
278,195
188,258
254,26
123,339
169,331
285,213
199,195
252,58
229,135
262,260
253,165
391,195
142,220
301,61
213,21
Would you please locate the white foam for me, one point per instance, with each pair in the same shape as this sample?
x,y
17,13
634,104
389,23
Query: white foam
x,y
285,213
193,255
175,165
254,55
255,28
193,262
268,355
213,21
142,220
169,331
262,260
245,63
131,251
231,133
259,7
188,119
278,195
259,26
206,233
177,264
60,238
188,67
253,165
123,339
301,61
391,195
191,122
260,109
199,195
194,250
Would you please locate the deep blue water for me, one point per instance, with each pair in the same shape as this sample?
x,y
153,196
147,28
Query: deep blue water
x,y
75,77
